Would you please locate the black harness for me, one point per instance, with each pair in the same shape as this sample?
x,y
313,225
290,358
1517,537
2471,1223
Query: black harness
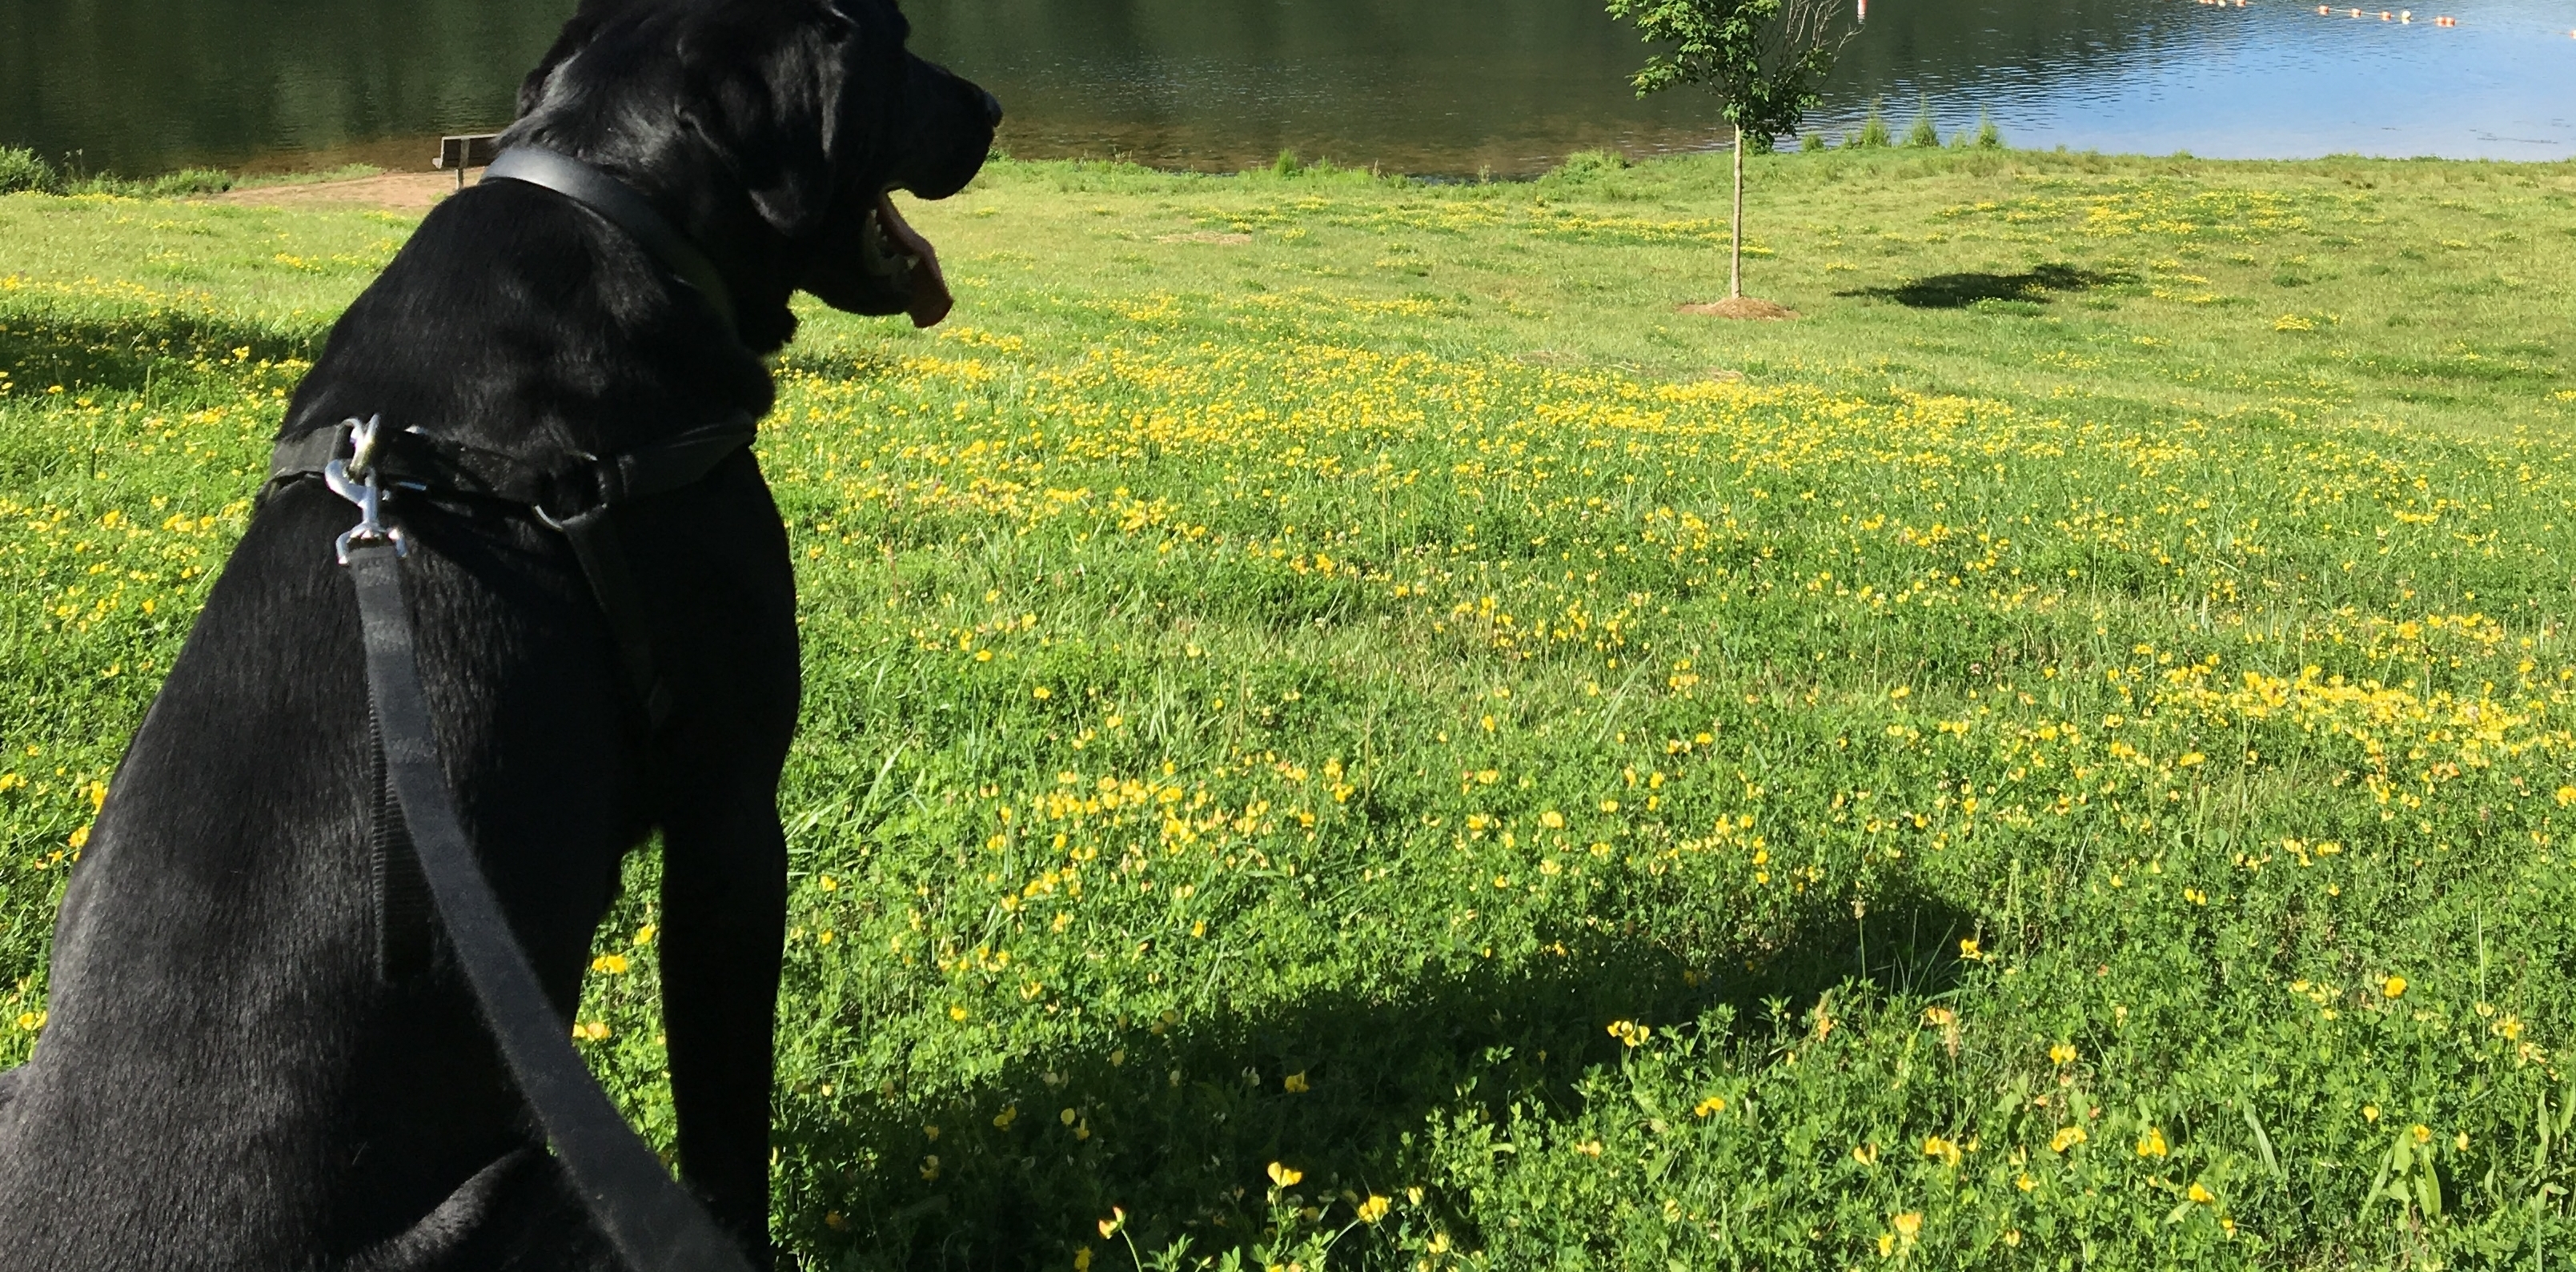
x,y
654,1225
579,497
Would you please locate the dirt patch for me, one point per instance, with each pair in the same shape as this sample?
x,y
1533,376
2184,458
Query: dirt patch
x,y
1207,236
392,191
1739,307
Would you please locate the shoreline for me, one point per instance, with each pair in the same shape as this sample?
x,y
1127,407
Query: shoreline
x,y
418,191
355,175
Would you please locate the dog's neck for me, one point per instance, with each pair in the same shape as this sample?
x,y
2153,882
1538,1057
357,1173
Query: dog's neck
x,y
630,212
704,204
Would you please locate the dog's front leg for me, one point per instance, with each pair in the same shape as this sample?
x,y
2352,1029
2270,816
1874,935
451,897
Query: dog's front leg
x,y
724,915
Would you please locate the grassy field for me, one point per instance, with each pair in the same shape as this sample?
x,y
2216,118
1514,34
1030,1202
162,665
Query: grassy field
x,y
1343,731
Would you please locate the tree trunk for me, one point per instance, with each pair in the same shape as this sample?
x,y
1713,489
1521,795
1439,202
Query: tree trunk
x,y
1735,240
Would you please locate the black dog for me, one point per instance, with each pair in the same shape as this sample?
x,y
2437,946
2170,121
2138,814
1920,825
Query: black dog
x,y
256,1058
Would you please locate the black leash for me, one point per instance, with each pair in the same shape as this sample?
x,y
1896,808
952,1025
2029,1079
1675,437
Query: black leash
x,y
653,1223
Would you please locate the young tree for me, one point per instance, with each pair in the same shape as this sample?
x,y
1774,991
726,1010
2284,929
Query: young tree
x,y
1765,60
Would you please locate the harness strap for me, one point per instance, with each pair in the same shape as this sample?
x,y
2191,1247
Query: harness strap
x,y
413,460
653,1223
619,205
602,554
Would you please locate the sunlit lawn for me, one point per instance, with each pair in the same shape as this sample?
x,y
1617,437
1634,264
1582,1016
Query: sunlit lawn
x,y
1342,731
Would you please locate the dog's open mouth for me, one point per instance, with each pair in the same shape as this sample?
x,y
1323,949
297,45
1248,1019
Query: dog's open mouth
x,y
897,256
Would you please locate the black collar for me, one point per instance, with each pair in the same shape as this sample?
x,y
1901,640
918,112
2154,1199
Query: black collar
x,y
625,209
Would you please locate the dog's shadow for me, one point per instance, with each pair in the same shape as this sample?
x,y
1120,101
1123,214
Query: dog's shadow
x,y
1177,1123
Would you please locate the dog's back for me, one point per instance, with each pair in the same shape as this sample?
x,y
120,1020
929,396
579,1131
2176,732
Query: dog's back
x,y
230,1071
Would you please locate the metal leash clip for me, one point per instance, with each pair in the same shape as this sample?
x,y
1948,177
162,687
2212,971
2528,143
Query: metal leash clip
x,y
354,479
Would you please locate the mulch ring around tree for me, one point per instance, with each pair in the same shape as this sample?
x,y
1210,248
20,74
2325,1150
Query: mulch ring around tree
x,y
1739,307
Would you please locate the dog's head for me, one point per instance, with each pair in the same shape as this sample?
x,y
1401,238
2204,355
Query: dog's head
x,y
771,131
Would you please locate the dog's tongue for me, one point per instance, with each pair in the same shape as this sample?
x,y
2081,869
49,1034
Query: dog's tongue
x,y
930,299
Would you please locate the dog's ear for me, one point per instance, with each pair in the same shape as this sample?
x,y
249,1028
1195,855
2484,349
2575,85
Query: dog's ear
x,y
575,36
762,86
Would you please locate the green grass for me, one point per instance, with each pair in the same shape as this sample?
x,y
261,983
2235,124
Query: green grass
x,y
2057,757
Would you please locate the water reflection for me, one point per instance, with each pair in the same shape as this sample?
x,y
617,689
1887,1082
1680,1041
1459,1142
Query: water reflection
x,y
1431,86
142,86
1418,85
1451,85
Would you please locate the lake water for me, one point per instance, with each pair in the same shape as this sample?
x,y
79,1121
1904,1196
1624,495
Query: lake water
x,y
1421,86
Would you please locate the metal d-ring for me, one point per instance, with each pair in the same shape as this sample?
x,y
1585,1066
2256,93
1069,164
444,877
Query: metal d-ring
x,y
355,480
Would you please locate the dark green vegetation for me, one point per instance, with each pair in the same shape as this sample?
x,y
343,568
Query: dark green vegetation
x,y
23,171
1343,731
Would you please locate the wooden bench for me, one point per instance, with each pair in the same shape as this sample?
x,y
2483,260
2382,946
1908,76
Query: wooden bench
x,y
472,150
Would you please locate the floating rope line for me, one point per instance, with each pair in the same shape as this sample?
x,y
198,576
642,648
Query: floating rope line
x,y
2400,17
2403,17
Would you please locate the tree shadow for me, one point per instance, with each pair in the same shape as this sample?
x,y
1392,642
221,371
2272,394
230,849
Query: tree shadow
x,y
1175,1121
1958,291
123,352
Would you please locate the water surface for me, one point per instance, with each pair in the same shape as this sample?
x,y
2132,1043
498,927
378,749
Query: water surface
x,y
1424,86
